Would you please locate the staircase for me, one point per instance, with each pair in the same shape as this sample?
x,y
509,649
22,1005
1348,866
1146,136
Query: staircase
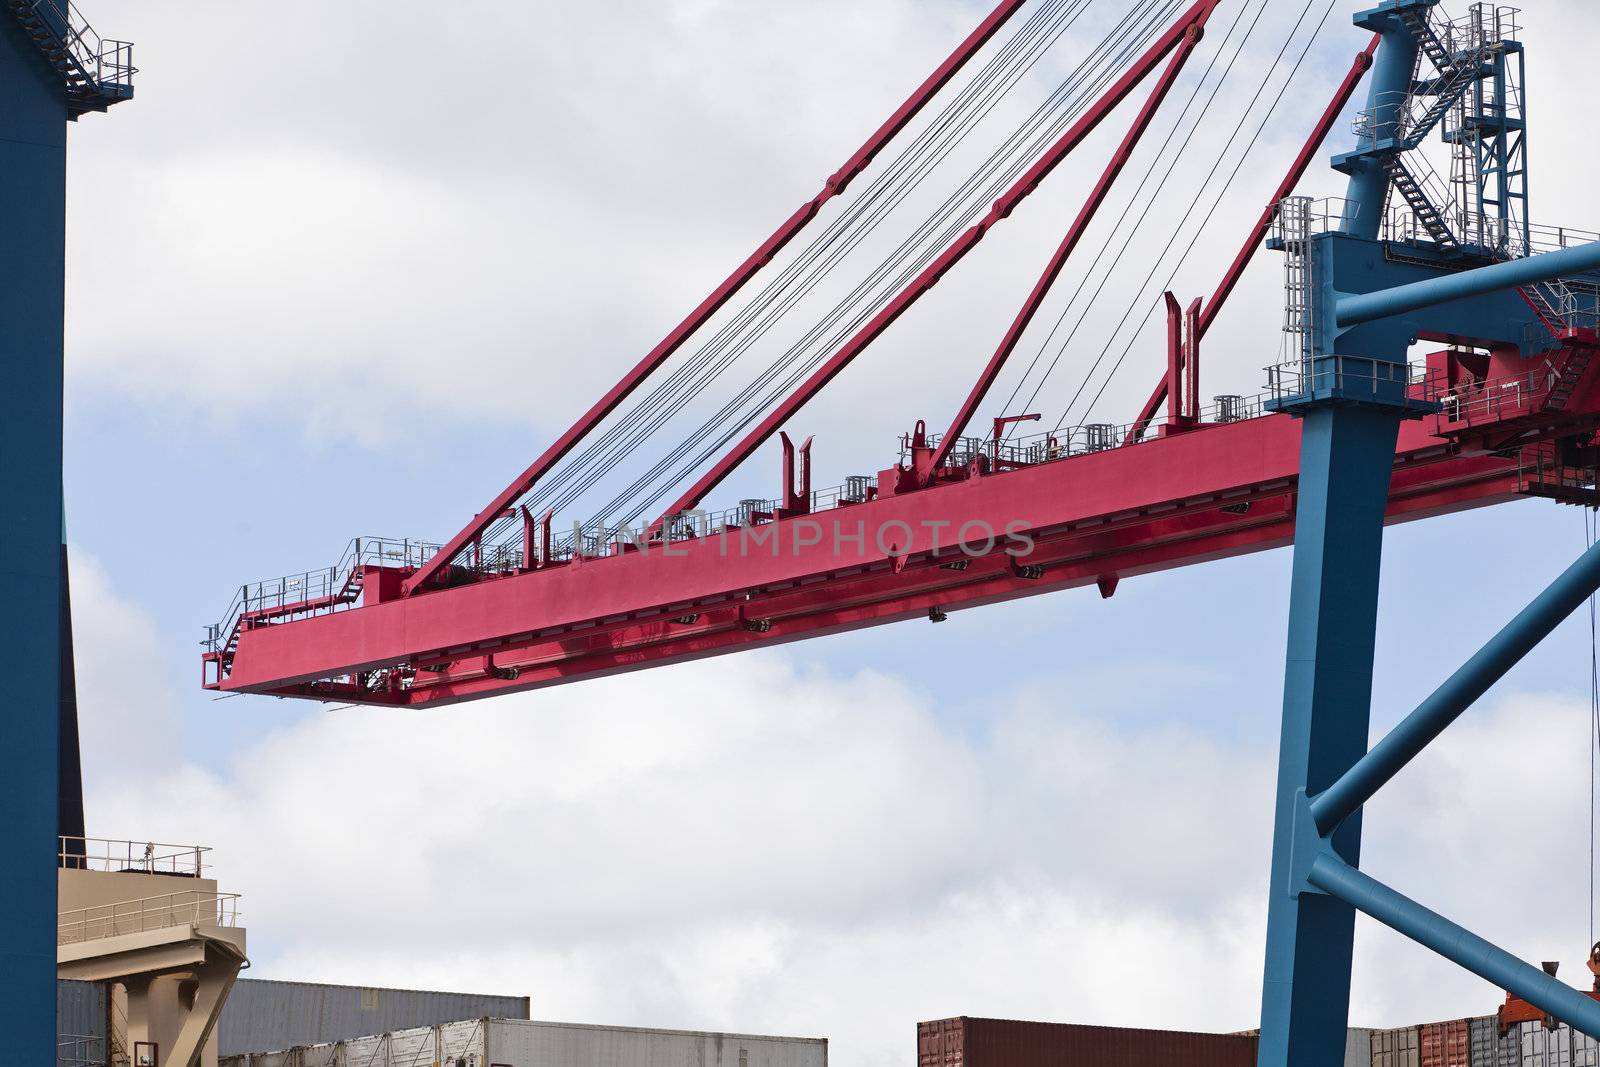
x,y
1539,298
1569,376
1422,207
1542,471
97,72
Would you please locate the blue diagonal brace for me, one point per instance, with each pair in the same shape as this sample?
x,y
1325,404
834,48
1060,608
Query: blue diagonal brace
x,y
1455,943
1446,704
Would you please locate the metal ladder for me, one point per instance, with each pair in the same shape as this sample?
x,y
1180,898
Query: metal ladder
x,y
1294,224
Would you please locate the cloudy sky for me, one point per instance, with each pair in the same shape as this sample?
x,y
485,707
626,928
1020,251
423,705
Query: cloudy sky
x,y
344,269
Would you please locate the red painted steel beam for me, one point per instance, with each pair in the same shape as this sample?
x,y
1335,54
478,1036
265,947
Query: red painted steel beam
x,y
1019,191
885,597
719,297
1218,490
1341,97
1058,261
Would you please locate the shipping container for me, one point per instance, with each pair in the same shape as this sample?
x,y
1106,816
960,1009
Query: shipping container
x,y
1491,1048
1357,1045
967,1042
1396,1048
261,1015
1358,1048
1446,1044
81,1016
1556,1046
523,1043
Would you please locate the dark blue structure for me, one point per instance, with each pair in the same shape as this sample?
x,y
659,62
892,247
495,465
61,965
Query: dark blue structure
x,y
1360,294
53,68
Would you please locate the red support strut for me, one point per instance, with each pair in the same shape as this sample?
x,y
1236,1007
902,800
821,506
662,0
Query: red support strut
x,y
1041,288
1297,170
713,303
1181,31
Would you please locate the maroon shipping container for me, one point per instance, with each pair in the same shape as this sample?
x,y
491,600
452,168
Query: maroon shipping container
x,y
965,1042
1447,1044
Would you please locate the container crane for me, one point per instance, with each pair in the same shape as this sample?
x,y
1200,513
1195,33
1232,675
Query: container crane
x,y
1347,437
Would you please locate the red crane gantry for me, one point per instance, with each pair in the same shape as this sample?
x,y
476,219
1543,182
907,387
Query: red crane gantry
x,y
401,624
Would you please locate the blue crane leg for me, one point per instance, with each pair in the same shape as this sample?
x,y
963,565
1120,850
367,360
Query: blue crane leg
x,y
1445,704
33,124
1346,454
1456,944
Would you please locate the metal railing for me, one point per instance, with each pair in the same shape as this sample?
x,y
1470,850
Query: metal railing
x,y
1351,377
322,587
162,912
108,64
80,1050
1330,214
1496,399
132,857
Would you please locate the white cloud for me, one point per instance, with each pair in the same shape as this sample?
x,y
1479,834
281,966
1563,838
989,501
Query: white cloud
x,y
127,720
745,844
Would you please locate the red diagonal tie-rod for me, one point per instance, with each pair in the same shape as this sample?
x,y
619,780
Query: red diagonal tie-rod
x,y
1194,17
723,293
1297,170
1058,262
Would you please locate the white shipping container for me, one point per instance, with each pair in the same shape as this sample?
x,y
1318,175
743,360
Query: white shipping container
x,y
520,1043
517,1043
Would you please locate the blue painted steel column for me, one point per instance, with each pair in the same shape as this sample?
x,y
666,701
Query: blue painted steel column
x,y
1346,454
33,132
1386,88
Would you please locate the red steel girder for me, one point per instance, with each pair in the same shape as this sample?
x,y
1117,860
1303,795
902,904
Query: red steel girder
x,y
1217,491
719,297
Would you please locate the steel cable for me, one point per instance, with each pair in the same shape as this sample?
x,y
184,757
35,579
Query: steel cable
x,y
1222,192
845,305
1013,61
993,190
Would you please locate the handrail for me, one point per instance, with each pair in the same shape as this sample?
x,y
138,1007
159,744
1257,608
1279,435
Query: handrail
x,y
141,857
161,912
107,63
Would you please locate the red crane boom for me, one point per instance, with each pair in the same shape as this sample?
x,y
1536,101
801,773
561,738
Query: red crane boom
x,y
932,534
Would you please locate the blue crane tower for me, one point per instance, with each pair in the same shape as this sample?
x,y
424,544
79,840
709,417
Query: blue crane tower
x,y
1405,257
53,69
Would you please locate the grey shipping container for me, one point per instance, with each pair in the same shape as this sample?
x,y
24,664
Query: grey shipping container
x,y
1490,1048
1358,1048
523,1043
81,1017
1396,1048
968,1042
262,1015
1557,1046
